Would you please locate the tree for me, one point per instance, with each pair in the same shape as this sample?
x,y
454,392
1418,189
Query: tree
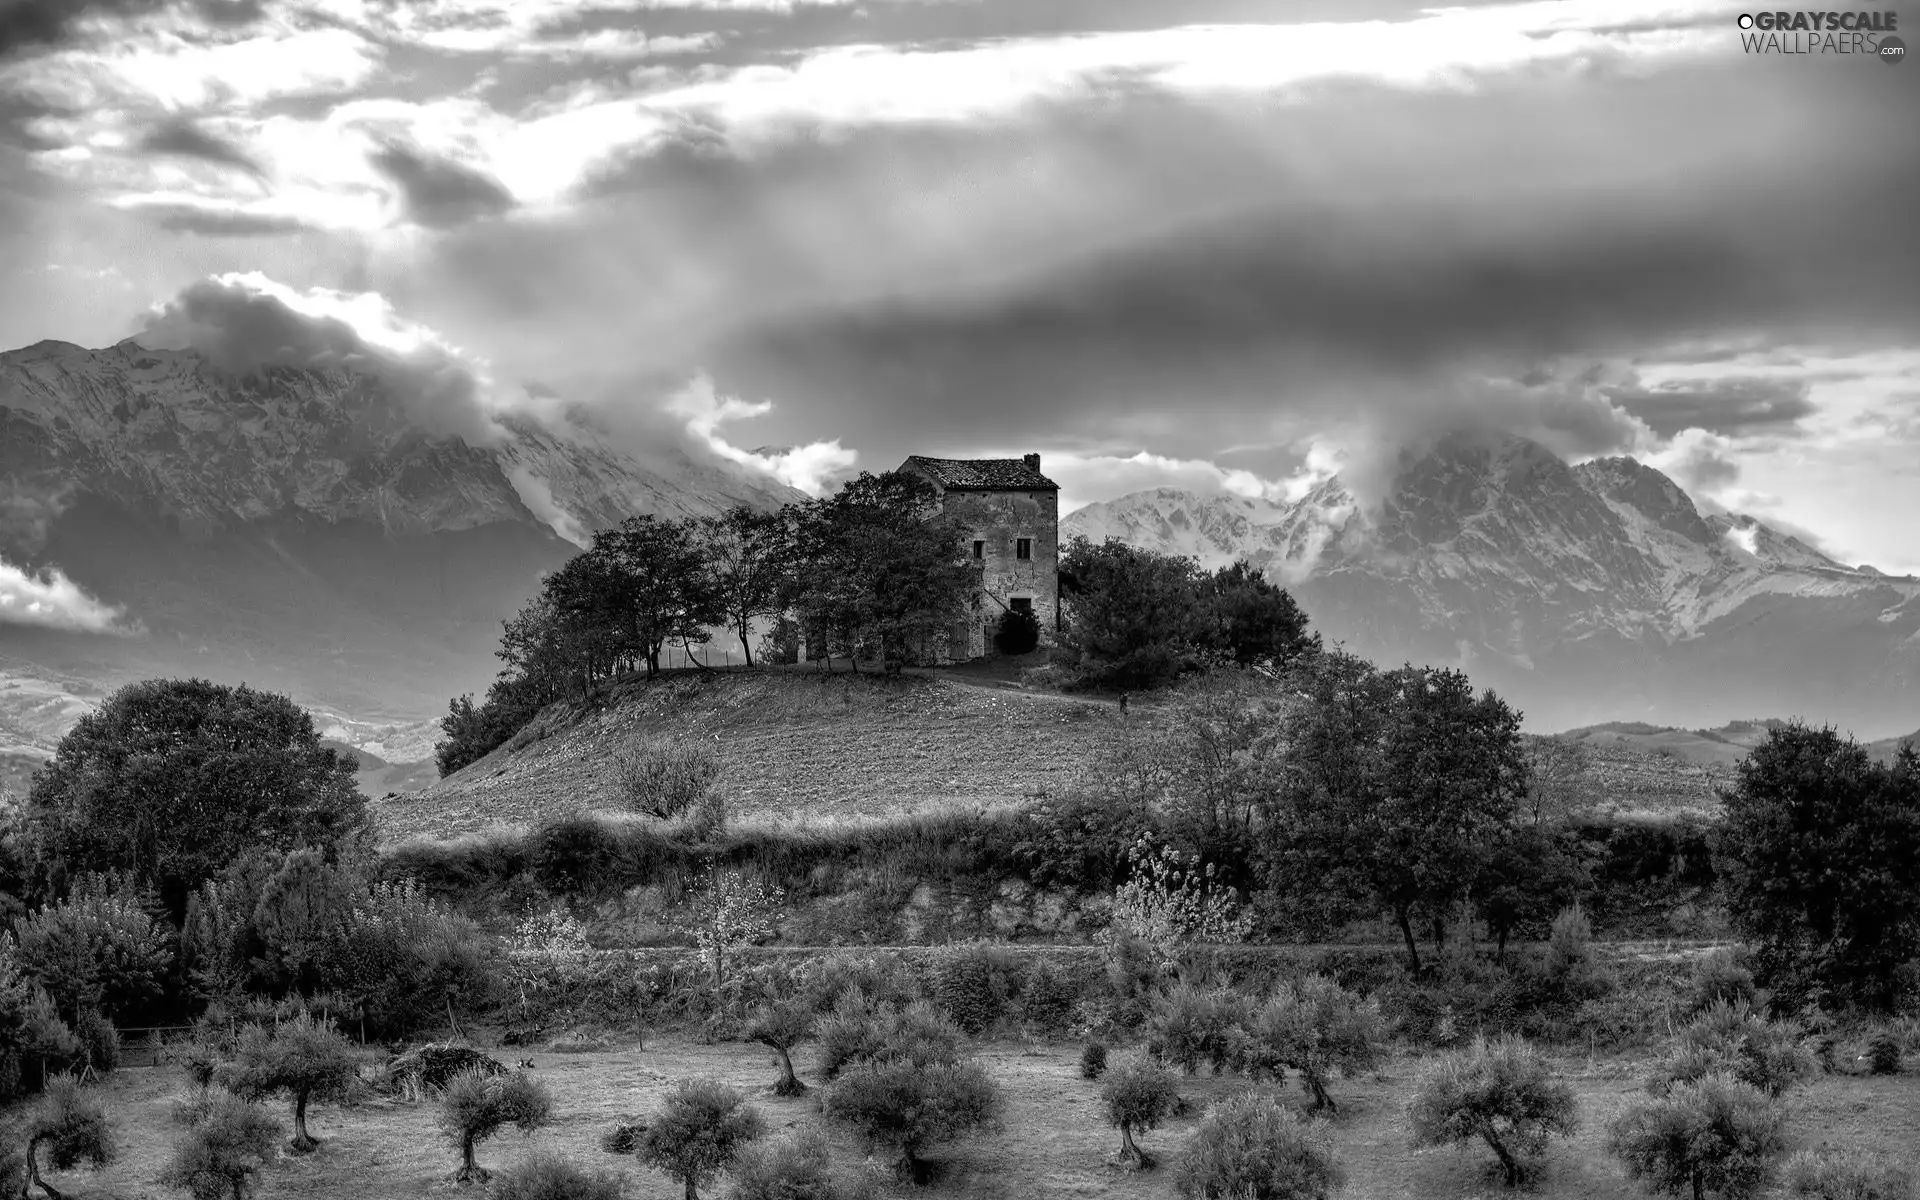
x,y
750,555
33,1038
858,1030
476,1106
1138,1095
303,1059
70,1124
663,778
781,1026
1819,843
1715,1134
1318,1027
907,1107
1019,632
1133,617
1253,623
1557,770
1405,784
1249,1148
1502,1093
298,910
1527,875
653,585
725,913
170,780
698,1132
225,1146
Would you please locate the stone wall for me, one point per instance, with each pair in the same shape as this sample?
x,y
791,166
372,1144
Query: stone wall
x,y
999,519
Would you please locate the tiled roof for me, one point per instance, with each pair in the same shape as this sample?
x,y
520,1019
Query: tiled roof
x,y
984,474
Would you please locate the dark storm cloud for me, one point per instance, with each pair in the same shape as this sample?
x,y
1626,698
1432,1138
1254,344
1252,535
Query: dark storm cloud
x,y
241,331
25,24
181,138
1726,406
439,192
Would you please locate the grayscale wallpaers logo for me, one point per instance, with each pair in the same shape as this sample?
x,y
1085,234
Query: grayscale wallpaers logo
x,y
1868,34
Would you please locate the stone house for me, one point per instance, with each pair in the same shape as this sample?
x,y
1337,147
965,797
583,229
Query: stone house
x,y
1012,514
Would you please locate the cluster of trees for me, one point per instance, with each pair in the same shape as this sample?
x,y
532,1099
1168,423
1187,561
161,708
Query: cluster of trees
x,y
873,570
1136,618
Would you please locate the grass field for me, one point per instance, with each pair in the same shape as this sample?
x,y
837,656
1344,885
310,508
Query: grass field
x,y
806,746
1052,1141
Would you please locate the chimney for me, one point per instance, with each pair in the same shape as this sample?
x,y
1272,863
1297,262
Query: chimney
x,y
1033,463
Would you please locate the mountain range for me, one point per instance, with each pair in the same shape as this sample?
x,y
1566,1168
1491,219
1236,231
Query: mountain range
x,y
296,529
1581,592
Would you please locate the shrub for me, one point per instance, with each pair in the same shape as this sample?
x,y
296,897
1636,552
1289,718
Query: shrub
x,y
1188,1026
544,1175
792,1167
224,1147
1829,1175
1714,1134
906,1107
698,1133
1573,968
1316,1027
1018,633
97,950
1883,1055
859,1031
971,983
1048,995
782,1026
623,1138
303,1059
1093,1060
70,1124
477,1105
99,1041
1138,1095
1249,1148
1741,1043
1720,977
403,959
1502,1093
663,778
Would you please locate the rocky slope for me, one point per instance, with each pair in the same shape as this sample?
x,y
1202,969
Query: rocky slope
x,y
1585,593
296,529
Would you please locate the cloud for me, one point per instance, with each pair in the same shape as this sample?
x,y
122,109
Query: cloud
x,y
25,24
810,468
538,497
1700,461
182,138
244,323
439,192
212,221
51,600
1730,406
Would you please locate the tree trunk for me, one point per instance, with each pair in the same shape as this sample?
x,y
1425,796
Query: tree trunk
x,y
1130,1151
691,1194
745,649
1321,1100
33,1172
1406,931
789,1084
1699,1187
302,1140
1507,1161
470,1171
1500,943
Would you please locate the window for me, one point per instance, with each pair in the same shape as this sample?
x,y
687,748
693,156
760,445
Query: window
x,y
1023,548
979,549
1021,604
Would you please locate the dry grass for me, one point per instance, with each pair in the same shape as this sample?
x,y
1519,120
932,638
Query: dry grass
x,y
828,747
1052,1142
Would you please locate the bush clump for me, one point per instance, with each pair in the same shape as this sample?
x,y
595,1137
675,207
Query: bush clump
x,y
1831,1175
1249,1148
1715,1134
1318,1028
664,778
793,1166
1189,1025
1093,1060
1721,977
859,1030
906,1107
1739,1042
228,1141
1883,1055
69,1124
1502,1093
545,1175
971,983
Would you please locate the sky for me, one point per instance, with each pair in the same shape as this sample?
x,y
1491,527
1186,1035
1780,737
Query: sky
x,y
1221,244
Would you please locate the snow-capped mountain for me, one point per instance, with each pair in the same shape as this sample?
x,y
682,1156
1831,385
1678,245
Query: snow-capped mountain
x,y
1585,593
300,529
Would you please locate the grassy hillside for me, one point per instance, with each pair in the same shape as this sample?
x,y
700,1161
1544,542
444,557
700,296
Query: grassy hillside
x,y
793,744
810,747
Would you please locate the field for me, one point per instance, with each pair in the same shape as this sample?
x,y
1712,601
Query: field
x,y
803,745
1052,1141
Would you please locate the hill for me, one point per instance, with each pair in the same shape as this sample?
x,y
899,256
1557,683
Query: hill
x,y
1722,747
808,747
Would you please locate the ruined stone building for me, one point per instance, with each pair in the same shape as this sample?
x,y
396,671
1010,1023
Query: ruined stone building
x,y
1012,516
